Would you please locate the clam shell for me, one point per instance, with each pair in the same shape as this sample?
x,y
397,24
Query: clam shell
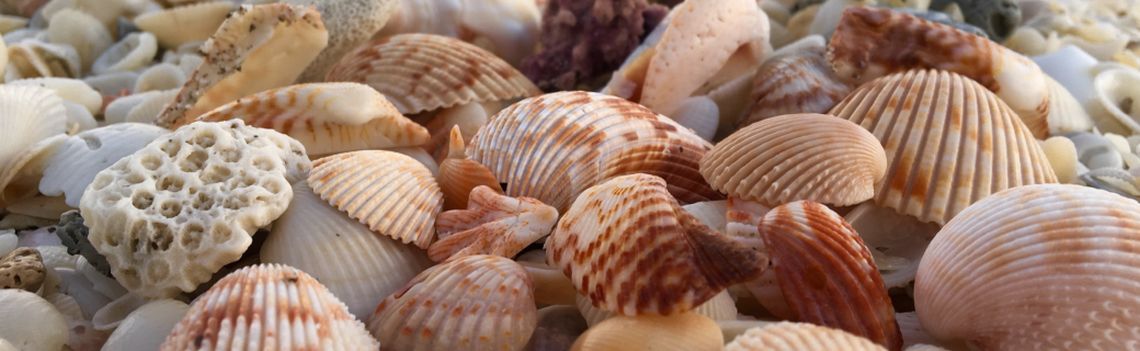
x,y
554,146
478,302
789,336
458,174
949,142
146,327
33,58
350,24
391,193
327,118
795,79
83,32
629,247
797,157
1065,257
820,260
82,156
184,24
132,52
28,114
149,108
31,323
492,224
681,332
719,308
281,308
163,76
422,72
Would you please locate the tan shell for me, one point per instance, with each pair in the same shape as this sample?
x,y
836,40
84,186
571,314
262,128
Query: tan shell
x,y
32,58
23,268
789,336
719,308
28,116
184,24
327,118
820,260
350,23
268,306
422,72
795,79
554,146
681,332
477,302
458,174
797,157
949,142
1062,258
492,224
392,193
630,247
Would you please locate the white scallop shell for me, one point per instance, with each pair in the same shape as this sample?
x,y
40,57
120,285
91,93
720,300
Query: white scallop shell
x,y
146,327
70,90
147,111
27,115
73,167
132,52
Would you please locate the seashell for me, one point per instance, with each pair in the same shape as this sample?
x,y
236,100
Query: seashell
x,y
797,157
458,174
1114,106
68,171
1066,114
992,149
1113,180
733,99
29,115
474,302
550,286
8,241
33,58
83,32
710,213
795,79
422,72
1073,280
38,324
107,11
997,18
10,23
24,34
492,224
789,336
685,331
163,76
826,19
554,146
557,328
74,284
1095,151
350,24
896,241
859,53
327,118
820,260
469,117
112,85
1029,42
670,262
81,334
358,266
1062,155
40,207
1073,68
293,311
183,24
694,113
132,52
239,61
78,118
741,218
146,327
363,184
799,25
421,156
508,28
149,108
719,308
70,90
23,268
112,315
777,12
23,8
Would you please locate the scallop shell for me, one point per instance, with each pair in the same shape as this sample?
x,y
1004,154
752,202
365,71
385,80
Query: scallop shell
x,y
33,58
629,247
458,174
132,52
350,23
719,308
31,323
475,302
28,115
492,224
422,72
146,327
1115,105
327,118
797,157
83,32
391,193
1066,114
281,308
184,24
68,171
681,332
795,79
788,336
896,241
982,147
820,260
554,146
1065,257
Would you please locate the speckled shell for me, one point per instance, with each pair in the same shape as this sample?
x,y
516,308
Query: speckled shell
x,y
630,247
393,194
797,157
795,79
492,224
1062,259
949,142
682,332
23,268
788,336
554,146
478,302
422,72
268,307
184,24
458,174
820,260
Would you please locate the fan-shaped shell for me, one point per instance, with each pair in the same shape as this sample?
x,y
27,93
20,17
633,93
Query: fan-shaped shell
x,y
268,306
797,157
630,247
1062,259
33,58
82,156
554,146
795,79
949,142
422,72
788,336
458,174
28,114
73,91
682,332
492,224
185,24
478,302
392,193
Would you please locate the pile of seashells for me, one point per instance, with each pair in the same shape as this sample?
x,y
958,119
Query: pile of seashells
x,y
722,174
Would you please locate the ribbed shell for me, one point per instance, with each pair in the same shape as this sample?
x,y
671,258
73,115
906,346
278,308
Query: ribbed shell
x,y
797,157
393,194
478,302
28,114
630,247
554,146
682,332
492,224
1034,268
82,156
798,80
268,307
327,118
358,266
458,174
827,274
789,336
949,142
423,72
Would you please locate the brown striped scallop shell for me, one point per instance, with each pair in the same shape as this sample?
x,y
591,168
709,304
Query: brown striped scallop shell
x,y
423,72
459,175
393,194
630,247
789,336
492,224
1037,267
554,146
795,79
949,142
827,274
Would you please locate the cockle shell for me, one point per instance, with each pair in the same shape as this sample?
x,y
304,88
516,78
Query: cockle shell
x,y
146,327
28,115
184,24
280,308
797,157
82,156
70,90
554,146
679,332
949,142
31,323
327,118
33,58
628,246
1065,257
478,302
422,72
789,336
458,174
391,193
795,79
350,24
83,32
492,224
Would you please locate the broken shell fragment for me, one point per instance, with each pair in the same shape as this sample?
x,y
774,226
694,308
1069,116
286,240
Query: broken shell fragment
x,y
146,327
492,224
134,51
184,24
28,116
350,23
459,175
82,156
789,336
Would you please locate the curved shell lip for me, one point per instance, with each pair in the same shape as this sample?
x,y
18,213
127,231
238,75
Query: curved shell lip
x,y
169,25
1106,86
132,52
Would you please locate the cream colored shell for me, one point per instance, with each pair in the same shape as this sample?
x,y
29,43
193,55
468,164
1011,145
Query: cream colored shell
x,y
83,32
28,115
33,58
681,332
30,322
146,327
184,24
789,336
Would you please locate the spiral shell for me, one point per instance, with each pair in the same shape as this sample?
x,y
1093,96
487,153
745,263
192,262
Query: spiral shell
x,y
492,224
788,336
795,79
458,174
